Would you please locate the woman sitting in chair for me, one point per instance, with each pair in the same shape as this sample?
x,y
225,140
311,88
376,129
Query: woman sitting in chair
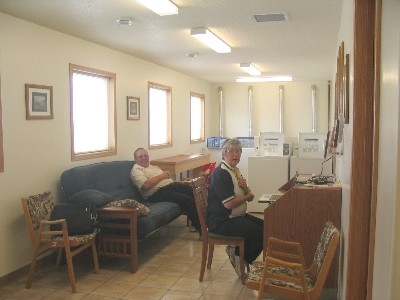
x,y
227,204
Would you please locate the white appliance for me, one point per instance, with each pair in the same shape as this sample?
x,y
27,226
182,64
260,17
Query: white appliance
x,y
266,174
271,143
312,144
310,165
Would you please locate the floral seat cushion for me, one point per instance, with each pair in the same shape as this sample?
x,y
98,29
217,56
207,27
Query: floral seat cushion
x,y
256,270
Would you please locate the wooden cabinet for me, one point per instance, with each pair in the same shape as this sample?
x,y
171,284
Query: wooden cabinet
x,y
300,215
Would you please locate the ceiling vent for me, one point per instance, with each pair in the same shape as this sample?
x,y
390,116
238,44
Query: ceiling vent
x,y
275,17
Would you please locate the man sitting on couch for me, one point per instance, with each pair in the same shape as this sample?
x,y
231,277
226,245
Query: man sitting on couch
x,y
156,185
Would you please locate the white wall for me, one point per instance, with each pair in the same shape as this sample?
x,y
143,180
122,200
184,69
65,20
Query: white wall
x,y
387,244
37,151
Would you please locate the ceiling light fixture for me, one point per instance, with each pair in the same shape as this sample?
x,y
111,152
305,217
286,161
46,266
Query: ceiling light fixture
x,y
192,55
264,79
250,69
210,39
125,22
160,7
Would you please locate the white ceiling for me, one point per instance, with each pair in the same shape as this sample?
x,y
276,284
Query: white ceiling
x,y
304,47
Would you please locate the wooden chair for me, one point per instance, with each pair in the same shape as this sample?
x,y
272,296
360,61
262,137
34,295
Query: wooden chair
x,y
37,212
210,239
283,270
207,170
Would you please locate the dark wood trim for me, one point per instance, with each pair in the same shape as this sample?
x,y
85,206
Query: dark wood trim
x,y
377,91
1,136
364,152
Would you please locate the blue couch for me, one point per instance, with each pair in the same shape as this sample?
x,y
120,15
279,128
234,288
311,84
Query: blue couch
x,y
101,183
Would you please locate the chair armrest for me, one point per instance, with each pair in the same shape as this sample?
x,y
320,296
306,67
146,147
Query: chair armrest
x,y
275,240
44,228
279,248
273,270
283,263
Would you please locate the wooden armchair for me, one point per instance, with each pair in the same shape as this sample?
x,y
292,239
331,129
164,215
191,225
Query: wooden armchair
x,y
283,271
37,212
210,239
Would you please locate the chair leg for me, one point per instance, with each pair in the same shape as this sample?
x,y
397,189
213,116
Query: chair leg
x,y
242,277
32,268
203,260
70,266
59,257
95,258
210,255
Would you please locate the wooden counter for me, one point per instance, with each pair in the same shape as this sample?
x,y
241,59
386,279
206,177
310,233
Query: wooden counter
x,y
182,163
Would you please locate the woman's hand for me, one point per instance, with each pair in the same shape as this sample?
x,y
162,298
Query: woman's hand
x,y
250,196
243,184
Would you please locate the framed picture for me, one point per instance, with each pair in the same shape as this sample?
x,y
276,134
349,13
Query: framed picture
x,y
346,79
133,108
339,91
38,101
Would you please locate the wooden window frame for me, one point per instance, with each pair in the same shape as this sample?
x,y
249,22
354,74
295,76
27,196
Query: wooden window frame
x,y
202,135
1,136
168,89
112,134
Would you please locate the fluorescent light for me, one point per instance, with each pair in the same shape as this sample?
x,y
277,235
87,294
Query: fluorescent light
x,y
264,79
125,22
210,39
249,68
160,7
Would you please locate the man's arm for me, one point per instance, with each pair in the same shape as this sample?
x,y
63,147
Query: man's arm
x,y
143,182
152,181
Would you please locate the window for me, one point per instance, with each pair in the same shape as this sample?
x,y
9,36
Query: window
x,y
92,113
1,136
196,118
159,116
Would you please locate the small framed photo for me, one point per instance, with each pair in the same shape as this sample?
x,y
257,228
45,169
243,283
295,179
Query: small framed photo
x,y
133,108
38,101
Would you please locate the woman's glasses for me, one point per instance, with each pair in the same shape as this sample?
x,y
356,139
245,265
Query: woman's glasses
x,y
237,152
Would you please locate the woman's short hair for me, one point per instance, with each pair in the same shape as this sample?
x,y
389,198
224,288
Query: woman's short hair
x,y
231,144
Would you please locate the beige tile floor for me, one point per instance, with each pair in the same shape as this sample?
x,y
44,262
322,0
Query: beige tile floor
x,y
169,266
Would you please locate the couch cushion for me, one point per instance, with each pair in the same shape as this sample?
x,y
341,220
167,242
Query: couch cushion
x,y
161,213
143,210
112,178
94,197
